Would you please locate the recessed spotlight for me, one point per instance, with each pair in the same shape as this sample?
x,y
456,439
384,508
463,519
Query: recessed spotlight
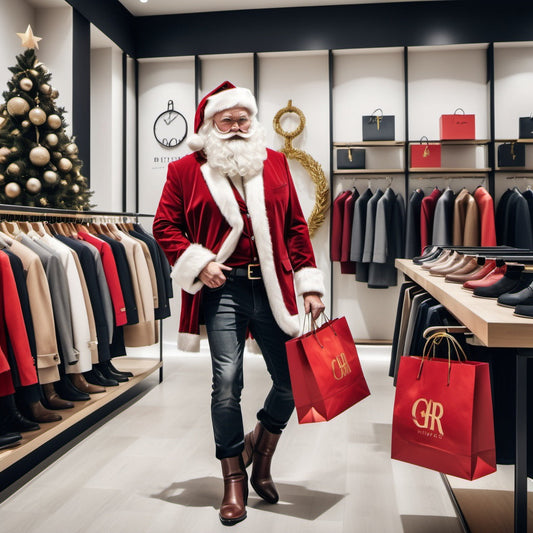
x,y
143,1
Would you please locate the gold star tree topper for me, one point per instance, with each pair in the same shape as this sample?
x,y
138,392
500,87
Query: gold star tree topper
x,y
28,39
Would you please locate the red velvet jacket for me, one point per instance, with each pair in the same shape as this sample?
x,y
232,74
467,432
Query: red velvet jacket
x,y
198,221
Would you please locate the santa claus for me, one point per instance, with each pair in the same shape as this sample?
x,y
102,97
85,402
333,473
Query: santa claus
x,y
230,223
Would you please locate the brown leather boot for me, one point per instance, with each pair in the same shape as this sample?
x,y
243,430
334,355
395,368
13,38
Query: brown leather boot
x,y
53,400
233,506
263,444
79,381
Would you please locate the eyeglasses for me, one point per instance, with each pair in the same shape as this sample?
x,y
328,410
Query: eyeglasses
x,y
226,123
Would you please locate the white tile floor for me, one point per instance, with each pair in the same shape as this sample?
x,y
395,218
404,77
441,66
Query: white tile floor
x,y
151,468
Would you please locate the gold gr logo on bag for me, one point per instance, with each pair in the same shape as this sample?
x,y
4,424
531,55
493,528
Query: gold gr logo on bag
x,y
427,414
340,366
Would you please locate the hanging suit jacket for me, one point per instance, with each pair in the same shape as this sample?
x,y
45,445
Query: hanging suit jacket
x,y
337,225
42,312
348,266
466,224
412,225
518,222
443,219
487,222
358,235
427,211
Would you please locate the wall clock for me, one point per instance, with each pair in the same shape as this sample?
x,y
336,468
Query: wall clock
x,y
170,127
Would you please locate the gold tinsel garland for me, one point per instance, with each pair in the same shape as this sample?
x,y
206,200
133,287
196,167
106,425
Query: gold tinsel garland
x,y
318,214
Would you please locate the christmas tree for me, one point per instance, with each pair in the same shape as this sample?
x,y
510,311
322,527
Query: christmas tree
x,y
39,163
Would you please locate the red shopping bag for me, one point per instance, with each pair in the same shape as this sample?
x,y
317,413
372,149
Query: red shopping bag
x,y
326,374
425,155
458,126
443,418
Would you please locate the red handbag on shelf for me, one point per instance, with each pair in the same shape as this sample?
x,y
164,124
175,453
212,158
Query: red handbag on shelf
x,y
425,155
458,126
325,370
443,417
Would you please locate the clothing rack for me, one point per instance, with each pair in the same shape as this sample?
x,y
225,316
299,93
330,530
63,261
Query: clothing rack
x,y
36,446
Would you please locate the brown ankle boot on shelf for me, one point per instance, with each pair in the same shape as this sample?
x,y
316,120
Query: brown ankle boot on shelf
x,y
39,413
81,383
263,444
233,506
52,398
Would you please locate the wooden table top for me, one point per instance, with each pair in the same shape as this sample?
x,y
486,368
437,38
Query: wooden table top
x,y
494,325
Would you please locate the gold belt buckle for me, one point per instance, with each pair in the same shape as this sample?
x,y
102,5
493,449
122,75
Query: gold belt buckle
x,y
250,274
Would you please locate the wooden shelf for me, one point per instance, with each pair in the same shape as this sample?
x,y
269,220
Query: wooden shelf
x,y
32,440
513,169
441,170
455,142
397,144
492,324
369,171
521,141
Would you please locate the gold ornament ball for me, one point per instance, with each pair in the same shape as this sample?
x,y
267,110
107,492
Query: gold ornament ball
x,y
37,116
54,121
13,169
50,177
17,106
15,132
33,72
1,178
65,164
71,149
54,94
4,152
26,84
33,185
12,190
43,202
2,122
63,183
39,156
45,88
25,124
75,189
52,139
57,155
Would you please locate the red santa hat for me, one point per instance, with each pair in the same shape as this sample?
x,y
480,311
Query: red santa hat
x,y
225,96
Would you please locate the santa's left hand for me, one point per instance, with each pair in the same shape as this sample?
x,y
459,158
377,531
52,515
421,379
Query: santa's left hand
x,y
313,304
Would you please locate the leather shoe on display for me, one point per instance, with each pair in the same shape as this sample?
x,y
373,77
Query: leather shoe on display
x,y
52,400
430,252
81,383
440,260
507,283
456,261
512,299
461,274
96,377
126,373
106,371
67,391
11,420
39,413
492,277
8,440
523,310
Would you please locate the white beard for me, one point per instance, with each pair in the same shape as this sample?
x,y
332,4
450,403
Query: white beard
x,y
238,155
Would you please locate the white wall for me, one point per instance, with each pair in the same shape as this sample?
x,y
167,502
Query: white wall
x,y
20,15
131,134
106,128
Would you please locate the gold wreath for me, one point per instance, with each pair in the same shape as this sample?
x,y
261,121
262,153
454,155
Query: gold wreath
x,y
318,214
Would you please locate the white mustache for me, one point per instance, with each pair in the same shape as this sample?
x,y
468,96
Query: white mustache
x,y
231,134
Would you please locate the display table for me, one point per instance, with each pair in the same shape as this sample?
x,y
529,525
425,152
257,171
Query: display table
x,y
495,327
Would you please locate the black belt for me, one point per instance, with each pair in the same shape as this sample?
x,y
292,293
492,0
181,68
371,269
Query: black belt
x,y
252,271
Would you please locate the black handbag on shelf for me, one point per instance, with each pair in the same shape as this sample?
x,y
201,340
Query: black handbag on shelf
x,y
378,127
350,158
512,154
525,127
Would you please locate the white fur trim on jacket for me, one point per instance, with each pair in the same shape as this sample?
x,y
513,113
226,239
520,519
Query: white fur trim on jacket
x,y
188,342
309,280
237,97
256,207
189,264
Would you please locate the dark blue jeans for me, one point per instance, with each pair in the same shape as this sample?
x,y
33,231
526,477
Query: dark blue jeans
x,y
229,311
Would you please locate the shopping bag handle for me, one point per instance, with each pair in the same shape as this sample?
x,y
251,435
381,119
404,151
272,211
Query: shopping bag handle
x,y
459,109
315,326
433,341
